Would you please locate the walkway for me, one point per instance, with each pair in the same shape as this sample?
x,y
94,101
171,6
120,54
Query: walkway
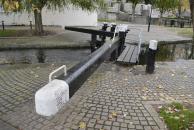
x,y
113,98
69,39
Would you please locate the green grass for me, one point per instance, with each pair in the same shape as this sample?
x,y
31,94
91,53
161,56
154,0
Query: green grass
x,y
177,117
8,33
183,31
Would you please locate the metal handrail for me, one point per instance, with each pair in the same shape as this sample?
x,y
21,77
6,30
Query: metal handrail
x,y
56,70
139,45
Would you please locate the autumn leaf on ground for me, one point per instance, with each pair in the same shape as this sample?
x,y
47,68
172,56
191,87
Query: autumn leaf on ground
x,y
114,114
160,87
82,125
144,97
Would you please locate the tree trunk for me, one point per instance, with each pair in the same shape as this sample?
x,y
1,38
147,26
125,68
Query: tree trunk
x,y
38,22
133,13
192,13
122,6
179,9
192,17
160,19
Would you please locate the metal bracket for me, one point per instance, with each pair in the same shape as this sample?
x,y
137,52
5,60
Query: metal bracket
x,y
58,69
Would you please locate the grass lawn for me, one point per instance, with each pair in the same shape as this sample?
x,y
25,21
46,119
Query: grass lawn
x,y
188,32
26,32
177,117
7,33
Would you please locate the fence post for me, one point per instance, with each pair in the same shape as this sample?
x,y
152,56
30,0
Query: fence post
x,y
104,28
93,42
3,25
31,25
151,57
114,54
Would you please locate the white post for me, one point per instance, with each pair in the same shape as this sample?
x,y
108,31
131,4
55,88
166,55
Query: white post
x,y
151,56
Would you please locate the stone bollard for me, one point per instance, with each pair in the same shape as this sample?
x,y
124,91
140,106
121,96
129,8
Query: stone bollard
x,y
151,57
52,97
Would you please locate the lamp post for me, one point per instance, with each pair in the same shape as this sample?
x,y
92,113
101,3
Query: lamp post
x,y
150,18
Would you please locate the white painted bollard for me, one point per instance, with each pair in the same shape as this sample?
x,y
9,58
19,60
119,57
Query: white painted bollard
x,y
153,44
151,56
52,97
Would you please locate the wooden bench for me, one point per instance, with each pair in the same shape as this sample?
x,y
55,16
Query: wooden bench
x,y
129,55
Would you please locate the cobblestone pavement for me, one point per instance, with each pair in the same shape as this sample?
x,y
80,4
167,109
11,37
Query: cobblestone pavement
x,y
18,83
113,98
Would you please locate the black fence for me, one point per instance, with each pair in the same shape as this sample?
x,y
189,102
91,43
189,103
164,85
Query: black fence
x,y
4,25
176,22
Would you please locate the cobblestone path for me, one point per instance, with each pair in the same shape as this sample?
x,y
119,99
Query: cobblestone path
x,y
113,98
18,83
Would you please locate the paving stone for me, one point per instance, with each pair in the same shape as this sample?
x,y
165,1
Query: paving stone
x,y
115,128
107,90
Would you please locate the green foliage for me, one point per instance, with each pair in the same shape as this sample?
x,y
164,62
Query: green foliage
x,y
31,5
149,1
177,117
166,5
134,2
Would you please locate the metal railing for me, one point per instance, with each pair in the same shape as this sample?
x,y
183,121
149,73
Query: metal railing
x,y
57,70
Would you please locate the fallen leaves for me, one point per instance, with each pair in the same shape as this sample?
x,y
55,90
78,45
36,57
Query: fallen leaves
x,y
114,114
82,125
160,87
144,97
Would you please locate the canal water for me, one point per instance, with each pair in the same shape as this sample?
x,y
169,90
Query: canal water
x,y
33,56
169,52
166,52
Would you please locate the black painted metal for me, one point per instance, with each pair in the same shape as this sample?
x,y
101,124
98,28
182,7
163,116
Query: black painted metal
x,y
3,25
103,37
91,31
112,29
94,44
31,25
79,73
151,61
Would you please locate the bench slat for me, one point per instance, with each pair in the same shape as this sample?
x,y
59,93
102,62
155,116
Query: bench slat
x,y
124,53
129,54
134,55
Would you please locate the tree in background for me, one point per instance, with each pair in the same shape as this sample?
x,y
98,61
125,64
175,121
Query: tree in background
x,y
36,6
192,15
166,5
134,4
182,6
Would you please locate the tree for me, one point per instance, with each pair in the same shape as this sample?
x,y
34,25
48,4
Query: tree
x,y
166,5
134,4
192,15
36,6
